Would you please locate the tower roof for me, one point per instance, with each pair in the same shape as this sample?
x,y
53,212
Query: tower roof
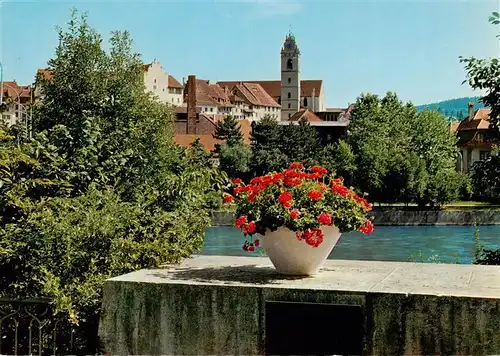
x,y
290,45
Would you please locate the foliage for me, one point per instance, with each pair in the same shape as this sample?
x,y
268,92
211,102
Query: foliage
x,y
339,159
299,142
484,75
401,154
300,201
235,159
484,256
101,190
229,130
275,146
266,146
485,182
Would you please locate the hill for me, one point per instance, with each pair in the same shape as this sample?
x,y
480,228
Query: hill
x,y
455,109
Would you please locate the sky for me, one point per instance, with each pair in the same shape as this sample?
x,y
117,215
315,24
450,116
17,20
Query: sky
x,y
368,46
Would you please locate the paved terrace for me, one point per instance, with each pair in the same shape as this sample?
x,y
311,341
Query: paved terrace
x,y
216,305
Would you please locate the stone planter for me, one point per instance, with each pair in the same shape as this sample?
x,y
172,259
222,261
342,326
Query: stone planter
x,y
293,257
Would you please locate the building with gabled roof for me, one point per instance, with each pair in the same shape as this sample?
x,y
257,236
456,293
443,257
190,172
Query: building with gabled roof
x,y
475,137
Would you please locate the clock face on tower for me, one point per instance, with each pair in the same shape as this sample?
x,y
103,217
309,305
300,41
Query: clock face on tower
x,y
289,45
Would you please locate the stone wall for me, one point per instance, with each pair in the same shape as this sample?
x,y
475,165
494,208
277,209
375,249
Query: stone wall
x,y
407,217
215,305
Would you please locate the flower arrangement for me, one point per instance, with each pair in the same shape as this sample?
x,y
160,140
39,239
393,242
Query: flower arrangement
x,y
300,200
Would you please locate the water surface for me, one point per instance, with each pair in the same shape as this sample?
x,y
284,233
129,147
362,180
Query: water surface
x,y
447,244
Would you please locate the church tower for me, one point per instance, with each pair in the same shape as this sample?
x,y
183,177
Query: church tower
x,y
290,78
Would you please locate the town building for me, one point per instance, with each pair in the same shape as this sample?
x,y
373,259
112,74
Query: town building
x,y
244,101
292,93
193,122
162,84
156,80
16,99
475,137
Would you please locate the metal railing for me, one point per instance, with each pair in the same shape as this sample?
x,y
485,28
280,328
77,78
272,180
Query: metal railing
x,y
29,327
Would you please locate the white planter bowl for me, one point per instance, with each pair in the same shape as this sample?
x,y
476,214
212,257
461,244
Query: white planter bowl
x,y
293,257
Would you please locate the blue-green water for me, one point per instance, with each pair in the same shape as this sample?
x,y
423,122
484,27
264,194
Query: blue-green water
x,y
447,244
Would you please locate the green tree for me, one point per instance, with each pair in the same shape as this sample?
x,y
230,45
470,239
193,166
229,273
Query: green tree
x,y
266,146
485,182
102,189
339,159
229,130
235,160
402,154
484,74
300,142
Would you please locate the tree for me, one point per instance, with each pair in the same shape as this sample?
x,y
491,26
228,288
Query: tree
x,y
300,142
340,160
235,160
484,74
229,130
485,182
266,146
402,155
102,189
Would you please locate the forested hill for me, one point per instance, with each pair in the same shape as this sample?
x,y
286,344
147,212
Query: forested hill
x,y
454,108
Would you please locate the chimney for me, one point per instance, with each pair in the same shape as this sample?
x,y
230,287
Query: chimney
x,y
191,105
312,98
471,111
183,81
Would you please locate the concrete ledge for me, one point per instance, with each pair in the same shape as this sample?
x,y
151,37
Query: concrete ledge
x,y
215,305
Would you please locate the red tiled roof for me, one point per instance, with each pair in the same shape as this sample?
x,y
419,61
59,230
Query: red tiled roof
x,y
173,83
480,121
206,140
273,87
210,94
146,66
13,90
307,114
254,94
454,126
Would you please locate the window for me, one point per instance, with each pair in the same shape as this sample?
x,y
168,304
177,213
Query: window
x,y
289,95
289,115
289,64
305,102
289,80
484,155
163,89
155,80
289,105
178,100
211,109
154,87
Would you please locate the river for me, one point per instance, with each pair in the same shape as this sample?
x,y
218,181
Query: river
x,y
446,244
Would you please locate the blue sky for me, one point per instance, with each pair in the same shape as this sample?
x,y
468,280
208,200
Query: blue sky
x,y
410,47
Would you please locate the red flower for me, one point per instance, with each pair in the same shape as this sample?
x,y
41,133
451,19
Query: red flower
x,y
296,165
314,237
285,198
238,190
325,219
251,227
251,248
320,170
292,182
367,228
299,235
237,181
341,190
241,221
256,243
315,195
337,181
228,198
295,214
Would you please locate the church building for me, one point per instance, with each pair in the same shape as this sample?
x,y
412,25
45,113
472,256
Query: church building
x,y
292,93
